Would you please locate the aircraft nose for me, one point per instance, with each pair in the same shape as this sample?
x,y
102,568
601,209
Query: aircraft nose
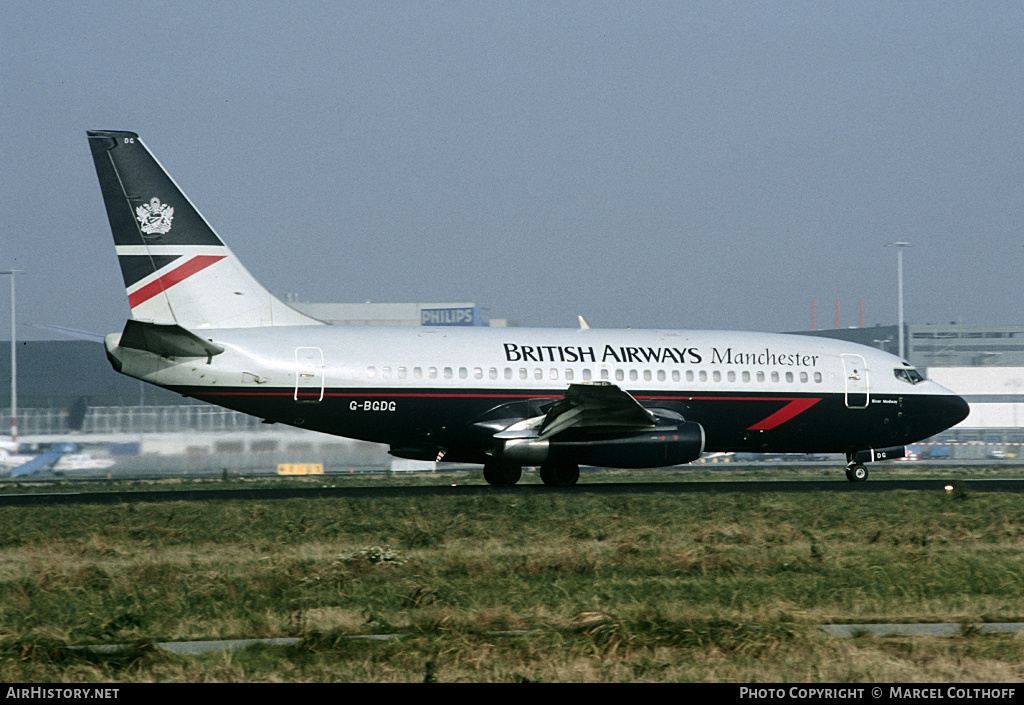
x,y
934,413
954,409
946,411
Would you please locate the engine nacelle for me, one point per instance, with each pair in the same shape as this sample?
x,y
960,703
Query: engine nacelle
x,y
659,447
525,451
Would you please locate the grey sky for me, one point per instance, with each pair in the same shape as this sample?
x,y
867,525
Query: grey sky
x,y
669,165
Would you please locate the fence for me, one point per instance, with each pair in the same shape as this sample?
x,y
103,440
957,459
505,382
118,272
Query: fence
x,y
136,419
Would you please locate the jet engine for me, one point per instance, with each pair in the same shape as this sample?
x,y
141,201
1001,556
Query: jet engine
x,y
658,447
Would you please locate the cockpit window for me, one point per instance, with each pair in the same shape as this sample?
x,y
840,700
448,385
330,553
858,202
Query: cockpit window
x,y
909,375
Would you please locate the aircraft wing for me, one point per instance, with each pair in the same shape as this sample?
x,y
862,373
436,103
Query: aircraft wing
x,y
599,406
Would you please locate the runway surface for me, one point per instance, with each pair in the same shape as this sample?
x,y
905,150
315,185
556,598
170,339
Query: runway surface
x,y
842,631
618,488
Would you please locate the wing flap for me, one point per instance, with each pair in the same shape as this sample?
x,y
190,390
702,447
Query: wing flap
x,y
595,406
598,407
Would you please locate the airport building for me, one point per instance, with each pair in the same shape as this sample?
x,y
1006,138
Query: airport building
x,y
941,345
956,345
371,314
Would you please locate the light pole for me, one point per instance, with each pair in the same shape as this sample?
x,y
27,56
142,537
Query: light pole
x,y
899,295
14,360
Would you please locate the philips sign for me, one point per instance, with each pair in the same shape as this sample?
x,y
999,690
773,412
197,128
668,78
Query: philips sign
x,y
469,316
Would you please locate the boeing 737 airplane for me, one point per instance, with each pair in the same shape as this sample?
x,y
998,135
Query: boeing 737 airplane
x,y
505,398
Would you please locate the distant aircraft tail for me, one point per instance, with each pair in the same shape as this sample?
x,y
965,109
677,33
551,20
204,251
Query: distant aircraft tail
x,y
176,269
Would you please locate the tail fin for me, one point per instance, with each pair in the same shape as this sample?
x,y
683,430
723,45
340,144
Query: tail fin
x,y
176,269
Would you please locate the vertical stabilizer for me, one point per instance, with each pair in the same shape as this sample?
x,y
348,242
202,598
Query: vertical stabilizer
x,y
175,267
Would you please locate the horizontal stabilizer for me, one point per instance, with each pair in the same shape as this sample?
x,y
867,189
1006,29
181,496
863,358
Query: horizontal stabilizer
x,y
74,332
167,339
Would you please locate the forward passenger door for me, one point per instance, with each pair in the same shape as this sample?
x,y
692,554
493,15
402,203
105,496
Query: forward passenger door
x,y
857,384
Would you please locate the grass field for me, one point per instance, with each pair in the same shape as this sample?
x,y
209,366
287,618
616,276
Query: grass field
x,y
529,586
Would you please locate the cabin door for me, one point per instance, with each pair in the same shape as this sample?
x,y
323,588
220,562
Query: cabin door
x,y
856,375
309,374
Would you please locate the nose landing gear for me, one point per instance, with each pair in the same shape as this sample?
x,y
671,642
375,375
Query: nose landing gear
x,y
855,472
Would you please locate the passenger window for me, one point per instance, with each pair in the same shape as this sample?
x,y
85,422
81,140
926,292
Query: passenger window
x,y
447,372
775,376
508,373
619,376
553,373
417,372
703,376
402,374
432,373
523,373
789,376
538,373
604,374
746,376
760,376
661,375
632,376
492,373
716,376
568,374
803,377
587,374
386,372
731,375
478,373
371,372
817,378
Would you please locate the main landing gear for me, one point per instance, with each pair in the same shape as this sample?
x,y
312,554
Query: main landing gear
x,y
501,474
560,474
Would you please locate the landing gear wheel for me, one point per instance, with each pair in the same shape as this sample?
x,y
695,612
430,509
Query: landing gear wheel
x,y
856,473
560,474
502,474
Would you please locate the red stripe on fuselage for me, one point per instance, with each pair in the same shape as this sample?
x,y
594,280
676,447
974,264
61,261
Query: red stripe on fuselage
x,y
790,410
175,276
